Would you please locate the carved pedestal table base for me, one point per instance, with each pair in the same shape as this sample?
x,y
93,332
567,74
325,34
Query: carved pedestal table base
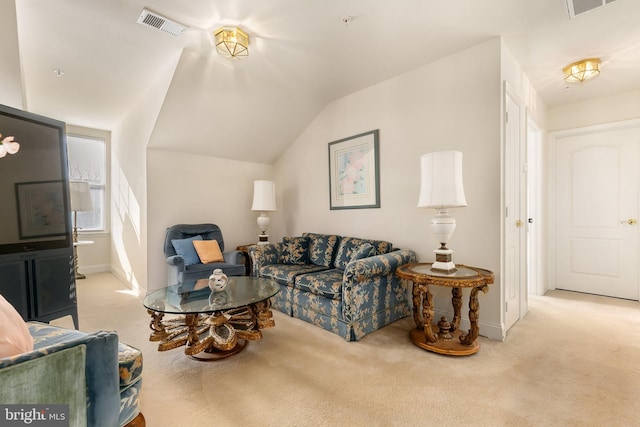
x,y
215,336
438,335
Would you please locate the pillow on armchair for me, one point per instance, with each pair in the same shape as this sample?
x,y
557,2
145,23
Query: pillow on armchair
x,y
185,248
208,251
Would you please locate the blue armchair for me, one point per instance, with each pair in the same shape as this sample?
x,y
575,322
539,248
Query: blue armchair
x,y
178,271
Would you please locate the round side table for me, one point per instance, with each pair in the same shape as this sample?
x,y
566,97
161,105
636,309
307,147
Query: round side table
x,y
445,337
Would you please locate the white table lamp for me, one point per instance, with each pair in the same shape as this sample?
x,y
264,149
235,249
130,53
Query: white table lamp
x,y
80,197
441,189
264,200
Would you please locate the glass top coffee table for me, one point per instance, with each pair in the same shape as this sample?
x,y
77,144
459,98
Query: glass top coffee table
x,y
211,325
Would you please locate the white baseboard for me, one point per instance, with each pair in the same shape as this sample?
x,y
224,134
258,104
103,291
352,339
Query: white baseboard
x,y
89,269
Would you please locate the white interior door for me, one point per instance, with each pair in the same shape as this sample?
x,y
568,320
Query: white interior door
x,y
596,200
515,199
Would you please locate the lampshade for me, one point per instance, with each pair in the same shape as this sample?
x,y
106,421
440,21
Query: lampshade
x,y
581,70
231,42
264,196
80,196
441,180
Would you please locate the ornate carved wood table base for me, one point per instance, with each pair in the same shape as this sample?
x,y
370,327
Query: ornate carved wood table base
x,y
215,325
442,336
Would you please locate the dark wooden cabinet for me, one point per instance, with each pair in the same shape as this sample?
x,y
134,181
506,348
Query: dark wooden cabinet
x,y
40,285
36,244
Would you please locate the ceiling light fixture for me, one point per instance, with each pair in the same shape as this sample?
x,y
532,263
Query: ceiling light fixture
x,y
581,70
231,42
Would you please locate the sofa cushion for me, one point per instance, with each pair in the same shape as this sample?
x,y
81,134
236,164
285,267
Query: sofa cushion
x,y
185,248
322,248
14,333
208,251
284,274
365,250
349,244
327,283
295,251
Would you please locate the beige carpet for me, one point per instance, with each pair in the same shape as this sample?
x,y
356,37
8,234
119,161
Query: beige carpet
x,y
574,360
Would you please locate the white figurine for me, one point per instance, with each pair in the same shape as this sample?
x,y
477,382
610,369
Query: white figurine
x,y
218,280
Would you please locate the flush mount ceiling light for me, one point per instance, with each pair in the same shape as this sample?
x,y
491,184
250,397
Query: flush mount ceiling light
x,y
231,42
581,70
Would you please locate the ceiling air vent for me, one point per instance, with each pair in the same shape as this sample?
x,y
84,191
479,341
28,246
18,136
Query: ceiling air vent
x,y
577,7
160,22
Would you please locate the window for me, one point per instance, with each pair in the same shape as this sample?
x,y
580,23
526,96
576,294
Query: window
x,y
88,162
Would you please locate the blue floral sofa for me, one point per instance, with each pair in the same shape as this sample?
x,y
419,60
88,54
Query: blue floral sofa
x,y
345,285
95,374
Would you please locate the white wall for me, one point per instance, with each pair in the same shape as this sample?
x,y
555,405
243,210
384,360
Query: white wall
x,y
435,107
10,75
614,108
129,183
193,189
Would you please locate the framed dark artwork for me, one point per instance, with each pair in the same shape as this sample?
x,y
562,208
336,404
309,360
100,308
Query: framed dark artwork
x,y
41,210
354,176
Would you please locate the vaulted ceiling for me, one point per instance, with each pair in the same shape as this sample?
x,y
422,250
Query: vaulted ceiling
x,y
302,57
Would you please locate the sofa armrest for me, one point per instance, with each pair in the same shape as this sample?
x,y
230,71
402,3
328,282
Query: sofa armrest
x,y
175,269
176,260
378,265
262,255
233,257
370,285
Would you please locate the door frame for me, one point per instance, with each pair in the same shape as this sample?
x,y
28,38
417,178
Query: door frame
x,y
535,210
552,180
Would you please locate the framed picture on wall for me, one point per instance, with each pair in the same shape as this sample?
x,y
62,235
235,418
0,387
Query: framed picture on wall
x,y
41,209
354,178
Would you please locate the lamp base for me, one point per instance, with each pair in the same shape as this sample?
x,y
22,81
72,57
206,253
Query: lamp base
x,y
263,239
443,262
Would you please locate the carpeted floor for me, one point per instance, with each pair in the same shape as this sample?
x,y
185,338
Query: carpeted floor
x,y
574,360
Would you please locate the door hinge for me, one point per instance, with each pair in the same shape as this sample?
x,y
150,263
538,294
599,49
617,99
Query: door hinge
x,y
506,306
506,117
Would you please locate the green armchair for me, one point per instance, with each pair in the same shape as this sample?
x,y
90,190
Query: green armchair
x,y
96,375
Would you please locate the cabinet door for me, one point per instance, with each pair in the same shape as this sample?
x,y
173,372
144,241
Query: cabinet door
x,y
55,287
13,279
